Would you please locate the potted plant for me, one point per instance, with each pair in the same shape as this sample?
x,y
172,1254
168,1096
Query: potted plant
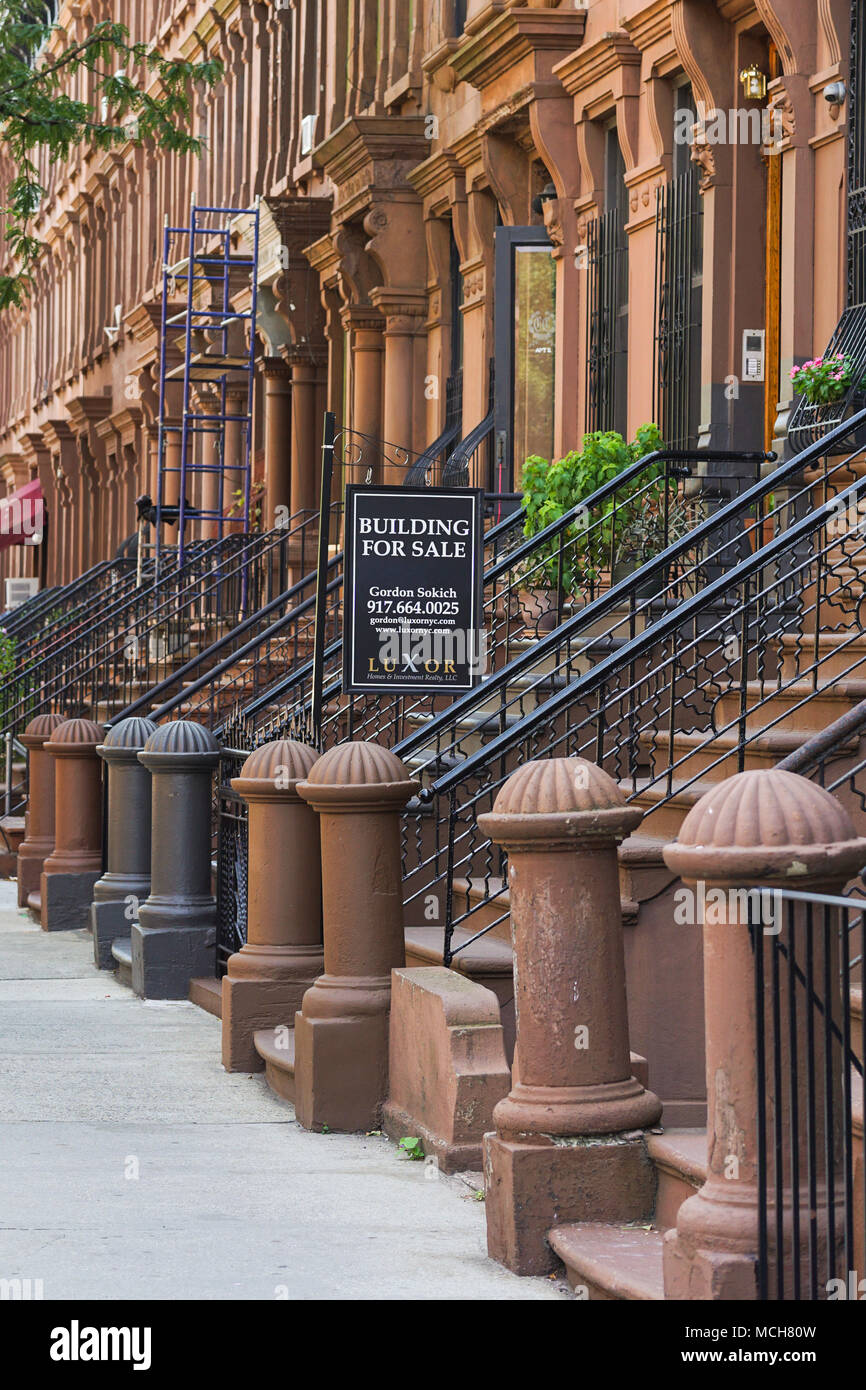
x,y
825,379
575,559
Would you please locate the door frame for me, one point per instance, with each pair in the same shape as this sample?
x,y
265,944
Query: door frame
x,y
506,241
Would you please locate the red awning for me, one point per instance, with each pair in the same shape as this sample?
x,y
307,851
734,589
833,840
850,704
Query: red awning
x,y
22,516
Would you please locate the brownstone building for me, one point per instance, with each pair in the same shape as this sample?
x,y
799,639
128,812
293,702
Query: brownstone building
x,y
592,201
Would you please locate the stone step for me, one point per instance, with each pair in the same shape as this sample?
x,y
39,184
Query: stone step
x,y
612,1263
665,813
796,704
680,1158
839,653
695,754
121,950
206,992
279,1059
488,960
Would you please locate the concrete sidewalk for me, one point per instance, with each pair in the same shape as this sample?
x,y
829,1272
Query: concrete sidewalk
x,y
133,1166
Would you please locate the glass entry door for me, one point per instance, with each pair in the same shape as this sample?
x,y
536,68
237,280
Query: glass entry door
x,y
525,345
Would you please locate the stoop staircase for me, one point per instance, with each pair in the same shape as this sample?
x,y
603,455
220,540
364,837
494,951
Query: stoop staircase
x,y
726,653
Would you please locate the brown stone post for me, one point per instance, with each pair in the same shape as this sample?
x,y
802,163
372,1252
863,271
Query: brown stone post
x,y
341,1031
764,829
306,428
561,820
278,439
268,977
233,451
75,863
38,840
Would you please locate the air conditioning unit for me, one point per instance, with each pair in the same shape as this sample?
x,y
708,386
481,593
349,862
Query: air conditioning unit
x,y
18,591
308,134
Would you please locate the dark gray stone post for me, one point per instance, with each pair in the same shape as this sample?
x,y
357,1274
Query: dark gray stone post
x,y
118,895
174,939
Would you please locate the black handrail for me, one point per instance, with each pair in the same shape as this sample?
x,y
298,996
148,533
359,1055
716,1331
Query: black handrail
x,y
214,672
656,631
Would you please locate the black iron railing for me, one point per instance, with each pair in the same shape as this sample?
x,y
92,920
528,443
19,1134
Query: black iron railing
x,y
809,421
531,586
56,611
606,259
678,264
663,690
809,1066
142,638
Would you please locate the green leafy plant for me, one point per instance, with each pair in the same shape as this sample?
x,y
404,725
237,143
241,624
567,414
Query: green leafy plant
x,y
412,1147
825,379
553,489
138,97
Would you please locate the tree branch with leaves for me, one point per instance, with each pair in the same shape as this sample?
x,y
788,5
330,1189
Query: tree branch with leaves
x,y
139,96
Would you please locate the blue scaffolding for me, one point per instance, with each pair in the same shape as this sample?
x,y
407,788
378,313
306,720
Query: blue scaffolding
x,y
200,259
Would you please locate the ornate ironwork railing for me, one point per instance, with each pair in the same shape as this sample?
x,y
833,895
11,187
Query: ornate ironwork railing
x,y
849,338
678,260
429,467
142,638
811,1202
531,586
606,252
661,690
50,615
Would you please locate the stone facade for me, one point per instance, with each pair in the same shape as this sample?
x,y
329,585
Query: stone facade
x,y
388,142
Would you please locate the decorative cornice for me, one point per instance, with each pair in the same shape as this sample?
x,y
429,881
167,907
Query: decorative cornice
x,y
594,61
650,25
430,175
513,35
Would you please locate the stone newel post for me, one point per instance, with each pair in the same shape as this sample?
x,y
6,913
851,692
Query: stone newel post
x,y
174,939
341,1032
561,820
128,850
38,841
75,863
268,977
767,829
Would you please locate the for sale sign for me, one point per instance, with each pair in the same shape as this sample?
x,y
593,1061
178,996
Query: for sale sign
x,y
414,565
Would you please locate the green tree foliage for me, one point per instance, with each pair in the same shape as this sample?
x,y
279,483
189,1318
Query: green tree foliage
x,y
139,96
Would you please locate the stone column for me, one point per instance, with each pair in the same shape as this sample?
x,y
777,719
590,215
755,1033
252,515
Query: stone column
x,y
767,829
268,977
341,1031
366,325
211,482
306,432
404,372
38,840
561,820
125,884
278,437
174,939
75,863
234,445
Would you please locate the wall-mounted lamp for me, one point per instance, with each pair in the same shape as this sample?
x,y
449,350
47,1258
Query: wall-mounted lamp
x,y
754,83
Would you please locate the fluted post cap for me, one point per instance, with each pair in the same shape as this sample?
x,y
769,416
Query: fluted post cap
x,y
272,772
358,776
180,746
40,729
560,801
74,738
125,740
771,827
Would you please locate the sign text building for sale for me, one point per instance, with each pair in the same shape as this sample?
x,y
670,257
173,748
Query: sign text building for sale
x,y
414,564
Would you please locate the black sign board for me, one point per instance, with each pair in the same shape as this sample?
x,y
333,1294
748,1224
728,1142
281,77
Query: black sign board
x,y
413,574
